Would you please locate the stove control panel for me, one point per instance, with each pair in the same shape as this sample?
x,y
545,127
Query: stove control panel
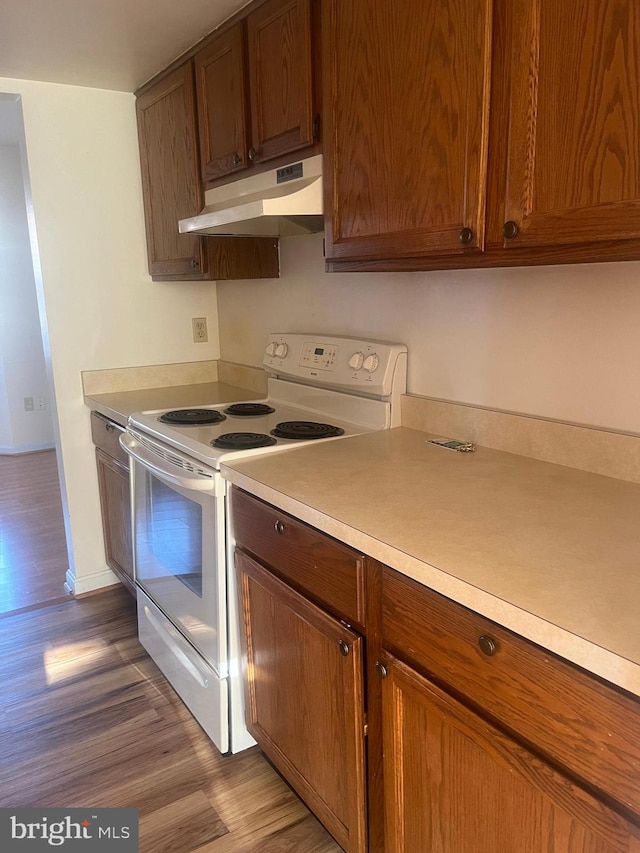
x,y
322,356
376,368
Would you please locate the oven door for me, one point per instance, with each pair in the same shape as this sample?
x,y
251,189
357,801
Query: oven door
x,y
179,550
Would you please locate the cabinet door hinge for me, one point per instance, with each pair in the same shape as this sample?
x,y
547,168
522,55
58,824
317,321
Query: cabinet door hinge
x,y
316,127
365,727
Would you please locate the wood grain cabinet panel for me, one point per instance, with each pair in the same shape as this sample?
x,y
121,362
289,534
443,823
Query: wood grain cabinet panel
x,y
478,741
573,161
172,190
171,174
327,571
105,434
222,104
115,503
406,94
113,482
455,783
586,726
477,134
280,78
305,700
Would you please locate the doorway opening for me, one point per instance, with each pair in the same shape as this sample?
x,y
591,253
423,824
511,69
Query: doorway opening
x,y
33,543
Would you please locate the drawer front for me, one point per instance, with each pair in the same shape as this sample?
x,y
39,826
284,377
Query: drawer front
x,y
330,573
105,435
591,729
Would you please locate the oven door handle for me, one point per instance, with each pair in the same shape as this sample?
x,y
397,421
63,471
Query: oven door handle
x,y
185,479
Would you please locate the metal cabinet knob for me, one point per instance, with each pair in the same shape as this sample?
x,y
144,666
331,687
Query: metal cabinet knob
x,y
466,236
510,230
344,647
487,645
381,668
279,527
237,159
195,263
252,154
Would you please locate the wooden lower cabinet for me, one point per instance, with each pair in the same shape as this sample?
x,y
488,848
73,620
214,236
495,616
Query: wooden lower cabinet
x,y
115,503
477,740
305,699
113,480
456,784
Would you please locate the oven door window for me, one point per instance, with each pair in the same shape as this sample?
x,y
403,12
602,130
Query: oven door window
x,y
172,537
179,559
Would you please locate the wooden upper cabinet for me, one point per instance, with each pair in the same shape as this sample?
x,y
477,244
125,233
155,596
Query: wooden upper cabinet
x,y
573,163
406,95
170,173
280,78
222,100
172,190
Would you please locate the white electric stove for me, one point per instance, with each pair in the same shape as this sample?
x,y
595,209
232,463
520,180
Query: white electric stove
x,y
320,388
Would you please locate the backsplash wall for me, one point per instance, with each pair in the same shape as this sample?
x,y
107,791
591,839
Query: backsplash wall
x,y
558,342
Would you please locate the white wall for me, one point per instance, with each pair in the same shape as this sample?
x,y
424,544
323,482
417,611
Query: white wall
x,y
22,364
102,310
559,342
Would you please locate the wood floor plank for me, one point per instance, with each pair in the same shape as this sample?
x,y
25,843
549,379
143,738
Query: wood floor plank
x,y
184,824
87,719
33,550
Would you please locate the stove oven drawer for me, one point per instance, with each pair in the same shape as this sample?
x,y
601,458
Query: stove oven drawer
x,y
194,680
327,571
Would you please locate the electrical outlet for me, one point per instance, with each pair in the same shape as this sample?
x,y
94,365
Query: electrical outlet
x,y
28,404
200,335
39,404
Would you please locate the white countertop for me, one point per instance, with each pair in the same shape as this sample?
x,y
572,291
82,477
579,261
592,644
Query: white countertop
x,y
551,552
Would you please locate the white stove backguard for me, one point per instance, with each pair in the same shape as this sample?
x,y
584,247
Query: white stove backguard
x,y
376,369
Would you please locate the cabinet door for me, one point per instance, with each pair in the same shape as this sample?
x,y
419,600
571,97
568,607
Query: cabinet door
x,y
280,78
406,95
304,699
170,174
113,482
222,104
573,170
455,783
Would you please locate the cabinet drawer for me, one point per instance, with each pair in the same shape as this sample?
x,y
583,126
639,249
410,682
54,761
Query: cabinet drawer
x,y
105,435
572,718
314,563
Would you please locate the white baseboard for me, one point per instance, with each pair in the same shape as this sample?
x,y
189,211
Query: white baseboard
x,y
25,448
89,583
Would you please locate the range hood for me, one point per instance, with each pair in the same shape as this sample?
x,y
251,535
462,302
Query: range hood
x,y
278,203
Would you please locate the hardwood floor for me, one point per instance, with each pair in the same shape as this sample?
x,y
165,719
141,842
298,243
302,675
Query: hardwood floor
x,y
33,550
88,720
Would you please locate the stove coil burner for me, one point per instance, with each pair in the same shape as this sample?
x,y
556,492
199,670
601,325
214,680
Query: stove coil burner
x,y
249,410
305,430
192,417
242,440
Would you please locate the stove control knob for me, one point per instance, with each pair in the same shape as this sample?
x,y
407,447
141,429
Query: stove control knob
x,y
371,362
271,349
282,350
356,361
